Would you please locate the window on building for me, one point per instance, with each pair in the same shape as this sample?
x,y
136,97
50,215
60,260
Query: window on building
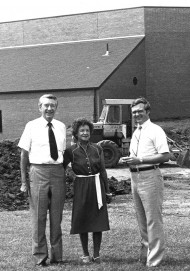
x,y
135,81
1,126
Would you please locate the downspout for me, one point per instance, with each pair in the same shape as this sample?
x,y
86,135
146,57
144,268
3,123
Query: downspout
x,y
96,105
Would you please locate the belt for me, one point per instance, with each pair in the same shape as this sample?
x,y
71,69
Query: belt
x,y
98,187
143,168
46,165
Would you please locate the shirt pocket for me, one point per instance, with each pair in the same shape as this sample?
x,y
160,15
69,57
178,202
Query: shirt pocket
x,y
61,143
40,139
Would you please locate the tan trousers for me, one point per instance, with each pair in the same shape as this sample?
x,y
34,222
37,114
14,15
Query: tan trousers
x,y
47,193
147,190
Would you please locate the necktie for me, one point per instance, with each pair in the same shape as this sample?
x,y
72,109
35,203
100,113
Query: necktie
x,y
138,135
52,142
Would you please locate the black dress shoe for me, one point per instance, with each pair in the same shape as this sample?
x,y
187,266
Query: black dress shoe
x,y
143,260
42,264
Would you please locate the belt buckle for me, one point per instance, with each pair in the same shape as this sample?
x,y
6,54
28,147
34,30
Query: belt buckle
x,y
135,169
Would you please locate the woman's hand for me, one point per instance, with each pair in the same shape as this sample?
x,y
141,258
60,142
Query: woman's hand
x,y
108,198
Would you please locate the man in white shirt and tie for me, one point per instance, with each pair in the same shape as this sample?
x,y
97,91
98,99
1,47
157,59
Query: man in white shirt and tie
x,y
148,149
42,144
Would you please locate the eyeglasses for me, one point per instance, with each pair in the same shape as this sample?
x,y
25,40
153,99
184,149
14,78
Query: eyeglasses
x,y
50,105
137,111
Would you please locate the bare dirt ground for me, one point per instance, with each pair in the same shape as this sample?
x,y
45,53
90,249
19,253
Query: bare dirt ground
x,y
169,170
176,205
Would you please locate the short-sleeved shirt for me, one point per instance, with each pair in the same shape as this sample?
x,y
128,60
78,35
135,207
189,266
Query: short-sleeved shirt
x,y
152,140
35,140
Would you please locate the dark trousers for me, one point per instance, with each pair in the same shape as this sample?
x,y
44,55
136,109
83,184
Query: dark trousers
x,y
47,193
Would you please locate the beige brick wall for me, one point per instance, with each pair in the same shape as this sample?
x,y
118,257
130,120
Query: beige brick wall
x,y
167,19
96,25
167,62
59,29
11,34
126,22
18,109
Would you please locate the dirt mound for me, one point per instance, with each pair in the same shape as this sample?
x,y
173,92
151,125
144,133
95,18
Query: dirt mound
x,y
179,136
11,198
177,130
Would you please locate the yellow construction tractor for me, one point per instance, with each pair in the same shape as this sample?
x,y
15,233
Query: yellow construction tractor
x,y
114,130
111,132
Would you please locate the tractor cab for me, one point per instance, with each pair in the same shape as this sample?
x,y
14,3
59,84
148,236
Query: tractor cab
x,y
114,129
111,114
115,119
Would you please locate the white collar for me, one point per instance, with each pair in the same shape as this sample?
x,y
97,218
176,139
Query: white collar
x,y
45,122
145,124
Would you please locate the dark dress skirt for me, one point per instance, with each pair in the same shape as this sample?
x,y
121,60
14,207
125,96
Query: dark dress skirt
x,y
86,217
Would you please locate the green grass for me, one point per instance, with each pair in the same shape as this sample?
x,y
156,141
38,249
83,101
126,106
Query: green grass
x,y
120,246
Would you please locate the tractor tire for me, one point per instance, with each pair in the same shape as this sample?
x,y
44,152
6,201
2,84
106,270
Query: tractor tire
x,y
111,153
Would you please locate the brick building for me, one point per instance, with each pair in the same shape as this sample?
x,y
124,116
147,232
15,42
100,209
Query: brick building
x,y
85,58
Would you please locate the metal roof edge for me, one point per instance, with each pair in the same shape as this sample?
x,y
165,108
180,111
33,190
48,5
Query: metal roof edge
x,y
70,42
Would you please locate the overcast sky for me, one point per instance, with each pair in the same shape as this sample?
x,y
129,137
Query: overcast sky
x,y
13,10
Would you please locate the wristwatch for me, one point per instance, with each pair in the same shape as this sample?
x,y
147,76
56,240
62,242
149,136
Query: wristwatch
x,y
141,160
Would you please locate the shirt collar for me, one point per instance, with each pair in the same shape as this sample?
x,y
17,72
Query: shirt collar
x,y
81,145
45,122
145,124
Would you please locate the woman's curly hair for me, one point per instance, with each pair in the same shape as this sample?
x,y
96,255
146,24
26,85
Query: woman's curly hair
x,y
81,122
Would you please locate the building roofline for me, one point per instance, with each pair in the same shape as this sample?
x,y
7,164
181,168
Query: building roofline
x,y
52,90
70,42
116,68
66,15
90,12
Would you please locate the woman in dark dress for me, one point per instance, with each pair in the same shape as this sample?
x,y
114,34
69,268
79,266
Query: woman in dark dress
x,y
90,188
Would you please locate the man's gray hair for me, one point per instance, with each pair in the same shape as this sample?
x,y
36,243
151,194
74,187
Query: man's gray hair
x,y
49,96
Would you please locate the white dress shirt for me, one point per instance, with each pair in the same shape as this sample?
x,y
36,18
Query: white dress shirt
x,y
35,140
152,140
